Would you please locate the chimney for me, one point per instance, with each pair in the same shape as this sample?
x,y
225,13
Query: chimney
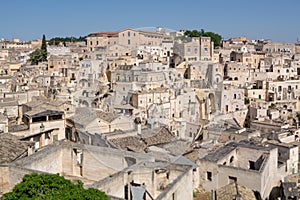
x,y
30,150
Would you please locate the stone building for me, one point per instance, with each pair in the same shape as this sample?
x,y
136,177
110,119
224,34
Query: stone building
x,y
149,180
128,37
278,47
233,99
235,161
59,64
10,107
104,168
194,49
97,121
288,155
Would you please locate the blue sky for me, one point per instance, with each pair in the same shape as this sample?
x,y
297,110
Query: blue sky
x,y
255,19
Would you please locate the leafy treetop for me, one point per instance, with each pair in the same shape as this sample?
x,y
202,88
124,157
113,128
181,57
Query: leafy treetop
x,y
44,49
52,186
216,38
39,55
58,40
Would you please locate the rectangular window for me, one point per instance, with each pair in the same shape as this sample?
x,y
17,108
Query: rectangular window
x,y
55,117
128,42
251,165
209,176
47,136
128,34
232,179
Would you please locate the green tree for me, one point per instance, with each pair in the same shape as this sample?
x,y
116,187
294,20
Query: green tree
x,y
246,101
52,186
44,49
58,40
193,33
298,116
39,55
216,38
36,56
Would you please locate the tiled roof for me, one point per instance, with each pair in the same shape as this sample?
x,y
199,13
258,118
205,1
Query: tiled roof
x,y
83,116
98,34
230,191
43,112
138,144
129,143
16,128
221,152
177,147
161,137
11,148
109,117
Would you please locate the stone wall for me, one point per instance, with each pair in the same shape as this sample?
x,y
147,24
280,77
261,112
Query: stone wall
x,y
12,175
66,158
181,188
160,182
47,160
117,182
253,180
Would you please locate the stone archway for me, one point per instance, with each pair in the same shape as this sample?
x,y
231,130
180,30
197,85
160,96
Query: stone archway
x,y
85,103
94,104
